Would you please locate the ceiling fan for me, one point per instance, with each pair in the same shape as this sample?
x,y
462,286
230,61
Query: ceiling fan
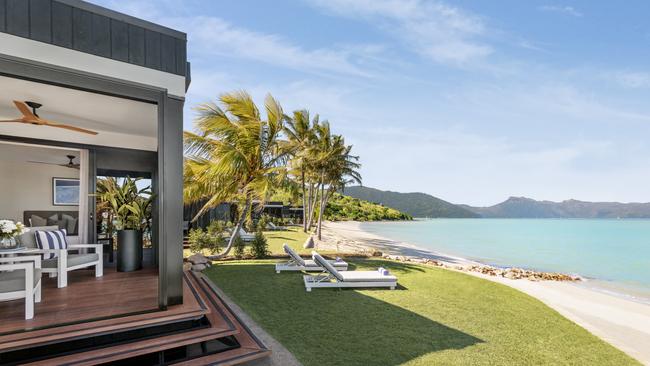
x,y
71,164
31,117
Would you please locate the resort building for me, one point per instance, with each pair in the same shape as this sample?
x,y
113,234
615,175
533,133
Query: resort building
x,y
88,93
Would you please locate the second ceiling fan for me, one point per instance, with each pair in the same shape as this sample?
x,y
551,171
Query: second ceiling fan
x,y
31,117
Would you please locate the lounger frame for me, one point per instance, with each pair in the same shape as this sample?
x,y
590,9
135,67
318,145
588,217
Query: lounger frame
x,y
326,280
293,266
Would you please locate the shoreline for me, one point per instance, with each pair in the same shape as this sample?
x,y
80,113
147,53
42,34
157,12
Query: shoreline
x,y
622,322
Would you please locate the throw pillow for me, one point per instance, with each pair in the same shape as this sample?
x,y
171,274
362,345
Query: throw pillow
x,y
55,239
35,221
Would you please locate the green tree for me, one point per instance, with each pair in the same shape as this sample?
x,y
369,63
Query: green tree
x,y
336,166
301,140
235,155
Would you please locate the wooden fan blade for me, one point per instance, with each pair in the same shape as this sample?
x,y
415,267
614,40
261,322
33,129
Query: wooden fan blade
x,y
41,162
67,127
11,120
73,166
24,109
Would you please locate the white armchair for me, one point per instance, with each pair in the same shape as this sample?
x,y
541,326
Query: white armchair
x,y
71,259
20,278
76,256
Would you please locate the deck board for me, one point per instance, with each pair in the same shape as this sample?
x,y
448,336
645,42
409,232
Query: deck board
x,y
223,323
62,318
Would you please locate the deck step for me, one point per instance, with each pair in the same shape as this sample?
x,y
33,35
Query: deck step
x,y
226,341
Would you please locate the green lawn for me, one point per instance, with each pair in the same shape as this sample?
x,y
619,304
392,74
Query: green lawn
x,y
435,317
293,236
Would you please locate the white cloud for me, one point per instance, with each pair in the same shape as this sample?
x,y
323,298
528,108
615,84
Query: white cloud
x,y
568,10
631,79
209,35
440,32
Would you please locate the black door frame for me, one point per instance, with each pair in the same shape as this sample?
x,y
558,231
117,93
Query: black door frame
x,y
167,175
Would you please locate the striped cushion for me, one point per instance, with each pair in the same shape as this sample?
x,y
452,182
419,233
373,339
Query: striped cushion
x,y
54,239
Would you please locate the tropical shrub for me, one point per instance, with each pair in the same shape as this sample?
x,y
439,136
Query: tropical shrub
x,y
259,246
211,239
240,247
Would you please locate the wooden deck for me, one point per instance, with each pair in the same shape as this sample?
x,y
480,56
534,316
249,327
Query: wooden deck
x,y
85,298
119,303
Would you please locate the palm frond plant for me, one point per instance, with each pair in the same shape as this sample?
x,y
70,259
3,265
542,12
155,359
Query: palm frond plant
x,y
129,206
234,156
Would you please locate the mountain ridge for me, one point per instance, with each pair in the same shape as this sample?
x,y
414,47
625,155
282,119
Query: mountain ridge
x,y
416,204
525,207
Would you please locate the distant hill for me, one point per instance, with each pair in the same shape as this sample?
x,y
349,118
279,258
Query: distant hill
x,y
522,207
414,204
343,208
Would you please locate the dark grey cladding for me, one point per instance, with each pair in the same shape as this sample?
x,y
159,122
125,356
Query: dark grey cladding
x,y
92,29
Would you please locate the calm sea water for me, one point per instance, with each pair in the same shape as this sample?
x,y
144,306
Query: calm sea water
x,y
616,252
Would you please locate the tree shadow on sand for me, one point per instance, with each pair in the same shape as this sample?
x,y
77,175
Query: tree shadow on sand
x,y
333,326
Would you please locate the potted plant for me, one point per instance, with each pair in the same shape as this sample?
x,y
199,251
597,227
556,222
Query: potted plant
x,y
131,211
8,232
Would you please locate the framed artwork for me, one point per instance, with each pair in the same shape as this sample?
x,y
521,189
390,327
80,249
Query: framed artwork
x,y
65,192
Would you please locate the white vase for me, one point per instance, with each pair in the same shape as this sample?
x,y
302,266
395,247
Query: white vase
x,y
7,243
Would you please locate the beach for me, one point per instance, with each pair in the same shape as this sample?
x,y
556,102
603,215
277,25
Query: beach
x,y
621,322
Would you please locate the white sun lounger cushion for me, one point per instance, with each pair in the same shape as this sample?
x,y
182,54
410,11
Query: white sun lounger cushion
x,y
294,255
326,265
338,265
366,276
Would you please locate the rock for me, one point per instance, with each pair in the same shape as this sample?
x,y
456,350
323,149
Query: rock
x,y
377,253
198,259
187,266
309,243
199,267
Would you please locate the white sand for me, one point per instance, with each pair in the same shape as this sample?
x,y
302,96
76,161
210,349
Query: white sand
x,y
621,322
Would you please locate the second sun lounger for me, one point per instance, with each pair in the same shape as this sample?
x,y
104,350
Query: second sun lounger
x,y
296,263
333,278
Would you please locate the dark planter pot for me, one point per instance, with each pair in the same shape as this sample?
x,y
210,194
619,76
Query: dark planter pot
x,y
129,250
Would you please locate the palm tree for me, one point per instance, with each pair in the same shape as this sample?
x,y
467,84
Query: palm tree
x,y
234,156
338,167
301,137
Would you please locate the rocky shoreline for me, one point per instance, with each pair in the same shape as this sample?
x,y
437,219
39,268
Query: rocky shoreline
x,y
512,273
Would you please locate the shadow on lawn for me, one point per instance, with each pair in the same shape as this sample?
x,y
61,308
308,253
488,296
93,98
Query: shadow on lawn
x,y
337,327
272,236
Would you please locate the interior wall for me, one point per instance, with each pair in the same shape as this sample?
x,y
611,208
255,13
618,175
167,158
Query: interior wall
x,y
26,186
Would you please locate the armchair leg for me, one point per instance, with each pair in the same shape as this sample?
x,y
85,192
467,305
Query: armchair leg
x,y
62,280
99,268
29,294
37,296
62,269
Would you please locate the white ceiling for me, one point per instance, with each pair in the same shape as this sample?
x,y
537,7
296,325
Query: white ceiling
x,y
22,153
120,122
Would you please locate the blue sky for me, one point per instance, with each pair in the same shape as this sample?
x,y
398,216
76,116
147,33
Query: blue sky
x,y
471,101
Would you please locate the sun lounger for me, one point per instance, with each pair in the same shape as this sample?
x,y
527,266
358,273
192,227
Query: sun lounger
x,y
333,278
273,227
246,236
296,263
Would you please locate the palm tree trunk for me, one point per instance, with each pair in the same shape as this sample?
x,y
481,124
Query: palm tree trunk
x,y
304,200
313,206
235,232
323,204
306,209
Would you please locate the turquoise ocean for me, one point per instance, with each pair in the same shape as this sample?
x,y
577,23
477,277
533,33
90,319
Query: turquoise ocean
x,y
613,255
